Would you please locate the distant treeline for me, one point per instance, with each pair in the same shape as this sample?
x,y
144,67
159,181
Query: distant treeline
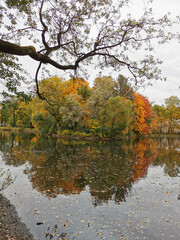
x,y
109,109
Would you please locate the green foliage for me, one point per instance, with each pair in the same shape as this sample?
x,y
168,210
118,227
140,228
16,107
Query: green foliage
x,y
160,110
8,112
173,110
117,116
103,89
95,128
71,113
172,101
169,115
81,134
46,125
21,5
85,92
10,72
73,108
123,88
15,110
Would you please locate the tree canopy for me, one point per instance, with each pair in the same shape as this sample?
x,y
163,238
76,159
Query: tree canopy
x,y
70,34
72,107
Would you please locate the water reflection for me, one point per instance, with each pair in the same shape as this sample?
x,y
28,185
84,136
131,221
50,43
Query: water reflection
x,y
109,169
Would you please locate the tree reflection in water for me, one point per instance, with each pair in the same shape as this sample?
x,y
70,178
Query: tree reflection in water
x,y
109,169
5,179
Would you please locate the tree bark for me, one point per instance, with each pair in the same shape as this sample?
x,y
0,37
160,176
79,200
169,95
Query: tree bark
x,y
14,49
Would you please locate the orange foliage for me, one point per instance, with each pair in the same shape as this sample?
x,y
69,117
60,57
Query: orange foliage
x,y
142,113
143,159
146,107
70,187
35,139
154,121
75,86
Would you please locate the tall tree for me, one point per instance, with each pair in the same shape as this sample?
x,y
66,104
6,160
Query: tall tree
x,y
53,90
71,34
142,112
24,114
103,89
173,111
124,88
118,116
161,113
78,87
8,111
72,113
169,115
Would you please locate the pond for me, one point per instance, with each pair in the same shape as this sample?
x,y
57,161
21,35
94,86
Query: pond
x,y
88,190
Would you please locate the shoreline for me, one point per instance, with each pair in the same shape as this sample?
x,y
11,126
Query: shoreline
x,y
11,226
90,138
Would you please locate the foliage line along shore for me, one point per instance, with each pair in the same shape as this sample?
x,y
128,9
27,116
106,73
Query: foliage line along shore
x,y
111,108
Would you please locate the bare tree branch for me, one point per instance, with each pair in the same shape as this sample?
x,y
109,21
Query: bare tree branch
x,y
45,28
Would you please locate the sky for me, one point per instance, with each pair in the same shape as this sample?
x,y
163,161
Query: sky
x,y
169,54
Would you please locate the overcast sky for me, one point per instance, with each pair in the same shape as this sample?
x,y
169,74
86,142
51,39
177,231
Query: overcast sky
x,y
169,54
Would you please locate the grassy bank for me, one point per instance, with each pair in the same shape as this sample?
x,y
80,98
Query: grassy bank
x,y
16,129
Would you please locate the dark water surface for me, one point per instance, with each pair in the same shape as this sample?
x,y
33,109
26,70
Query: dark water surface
x,y
94,190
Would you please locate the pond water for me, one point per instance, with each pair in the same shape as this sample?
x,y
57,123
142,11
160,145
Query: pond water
x,y
94,190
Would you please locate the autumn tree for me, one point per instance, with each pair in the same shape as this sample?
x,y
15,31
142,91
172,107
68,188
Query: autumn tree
x,y
72,113
69,35
64,105
24,115
161,113
153,121
8,111
124,88
103,89
49,112
117,116
141,111
52,89
79,88
146,119
5,113
15,108
168,114
173,111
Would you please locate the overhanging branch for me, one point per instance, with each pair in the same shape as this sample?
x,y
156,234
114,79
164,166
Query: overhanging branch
x,y
30,51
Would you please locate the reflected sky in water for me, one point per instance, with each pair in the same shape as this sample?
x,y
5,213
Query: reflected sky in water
x,y
94,190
